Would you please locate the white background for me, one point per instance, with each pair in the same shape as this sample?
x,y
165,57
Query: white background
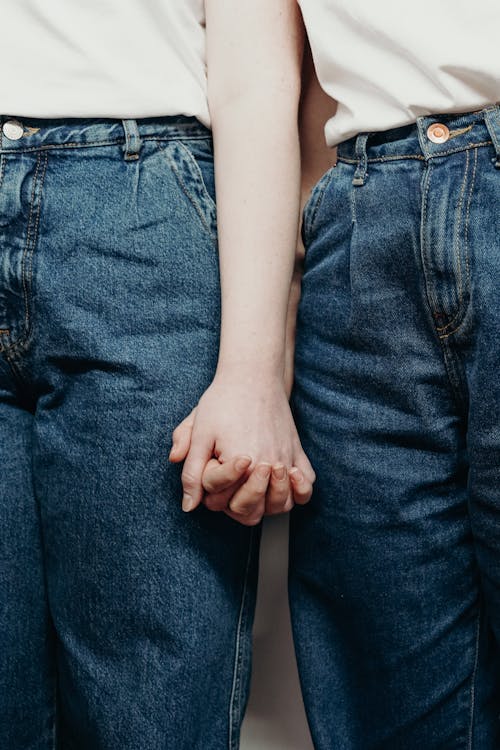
x,y
275,718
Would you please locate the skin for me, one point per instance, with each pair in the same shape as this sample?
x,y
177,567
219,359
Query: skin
x,y
242,488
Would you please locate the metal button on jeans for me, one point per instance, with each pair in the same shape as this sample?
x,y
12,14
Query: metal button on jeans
x,y
438,133
13,130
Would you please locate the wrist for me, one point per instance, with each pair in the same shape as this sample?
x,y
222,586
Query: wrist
x,y
251,371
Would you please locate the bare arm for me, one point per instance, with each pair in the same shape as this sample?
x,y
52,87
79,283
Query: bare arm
x,y
254,57
254,62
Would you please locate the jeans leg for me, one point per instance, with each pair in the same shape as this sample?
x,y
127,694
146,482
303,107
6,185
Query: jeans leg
x,y
475,350
152,607
387,608
27,674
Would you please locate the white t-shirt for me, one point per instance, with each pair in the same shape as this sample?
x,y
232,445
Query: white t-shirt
x,y
103,58
388,62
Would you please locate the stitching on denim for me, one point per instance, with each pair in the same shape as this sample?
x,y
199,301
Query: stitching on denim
x,y
375,159
235,699
467,217
395,157
27,257
456,247
473,680
2,168
313,204
443,329
210,222
423,240
111,142
31,239
352,202
461,131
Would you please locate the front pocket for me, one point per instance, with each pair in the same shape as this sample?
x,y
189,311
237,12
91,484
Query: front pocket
x,y
192,182
312,205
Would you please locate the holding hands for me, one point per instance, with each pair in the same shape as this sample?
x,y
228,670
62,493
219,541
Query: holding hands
x,y
244,459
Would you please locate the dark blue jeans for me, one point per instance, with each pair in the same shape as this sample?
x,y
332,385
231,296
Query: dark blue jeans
x,y
395,564
124,623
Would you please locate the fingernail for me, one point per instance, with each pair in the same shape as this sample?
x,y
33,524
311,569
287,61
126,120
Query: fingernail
x,y
187,503
243,463
296,474
264,471
288,505
279,472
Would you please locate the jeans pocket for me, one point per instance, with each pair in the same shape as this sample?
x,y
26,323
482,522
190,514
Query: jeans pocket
x,y
192,165
313,204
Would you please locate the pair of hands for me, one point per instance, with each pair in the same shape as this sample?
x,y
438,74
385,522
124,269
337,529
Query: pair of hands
x,y
245,458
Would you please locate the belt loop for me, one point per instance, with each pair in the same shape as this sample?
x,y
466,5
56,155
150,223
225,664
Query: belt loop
x,y
362,157
492,120
132,140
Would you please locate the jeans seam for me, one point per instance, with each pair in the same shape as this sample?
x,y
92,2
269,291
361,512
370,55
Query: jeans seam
x,y
420,157
111,142
313,204
234,701
456,247
31,238
443,332
2,168
473,680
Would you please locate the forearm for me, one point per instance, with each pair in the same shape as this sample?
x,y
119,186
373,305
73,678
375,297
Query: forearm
x,y
258,195
254,64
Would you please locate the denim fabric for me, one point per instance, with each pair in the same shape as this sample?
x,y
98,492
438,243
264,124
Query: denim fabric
x,y
125,623
395,564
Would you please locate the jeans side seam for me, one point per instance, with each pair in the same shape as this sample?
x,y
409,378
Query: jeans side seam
x,y
473,680
234,701
314,202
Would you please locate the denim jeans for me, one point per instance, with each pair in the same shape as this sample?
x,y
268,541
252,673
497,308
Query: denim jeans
x,y
395,564
125,623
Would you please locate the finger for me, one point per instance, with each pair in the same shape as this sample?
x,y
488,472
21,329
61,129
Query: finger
x,y
250,497
302,463
199,455
301,486
278,490
289,504
218,477
252,520
181,439
220,500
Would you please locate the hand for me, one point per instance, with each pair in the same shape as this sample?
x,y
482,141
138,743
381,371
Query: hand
x,y
245,496
243,490
235,418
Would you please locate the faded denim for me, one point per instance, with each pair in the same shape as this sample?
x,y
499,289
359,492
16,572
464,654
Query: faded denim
x,y
125,623
395,563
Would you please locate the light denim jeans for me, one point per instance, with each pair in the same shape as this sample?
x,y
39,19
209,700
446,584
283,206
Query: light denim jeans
x,y
395,563
124,623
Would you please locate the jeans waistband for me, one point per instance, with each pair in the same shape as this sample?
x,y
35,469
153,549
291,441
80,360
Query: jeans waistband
x,y
430,136
30,134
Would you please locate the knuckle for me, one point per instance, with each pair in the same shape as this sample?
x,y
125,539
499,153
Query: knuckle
x,y
188,478
242,509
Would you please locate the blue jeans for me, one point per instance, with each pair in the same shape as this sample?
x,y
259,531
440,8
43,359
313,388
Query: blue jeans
x,y
395,564
124,622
